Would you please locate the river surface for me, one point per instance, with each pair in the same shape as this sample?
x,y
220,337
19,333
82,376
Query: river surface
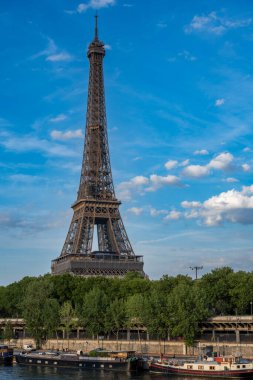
x,y
16,372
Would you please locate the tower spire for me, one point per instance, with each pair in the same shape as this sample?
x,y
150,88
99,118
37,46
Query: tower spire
x,y
96,27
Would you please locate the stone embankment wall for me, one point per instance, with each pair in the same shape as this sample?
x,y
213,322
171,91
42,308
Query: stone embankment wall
x,y
145,347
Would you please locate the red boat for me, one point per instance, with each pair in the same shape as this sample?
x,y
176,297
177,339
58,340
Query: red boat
x,y
229,366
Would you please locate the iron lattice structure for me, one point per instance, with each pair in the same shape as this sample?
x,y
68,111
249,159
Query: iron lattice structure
x,y
96,203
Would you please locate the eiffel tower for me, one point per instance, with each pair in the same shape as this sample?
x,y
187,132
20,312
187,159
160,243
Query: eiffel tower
x,y
96,203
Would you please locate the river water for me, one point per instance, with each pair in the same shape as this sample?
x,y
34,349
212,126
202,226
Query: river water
x,y
17,372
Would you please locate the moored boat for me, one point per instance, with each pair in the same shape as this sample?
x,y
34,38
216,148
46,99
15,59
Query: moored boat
x,y
6,355
113,361
230,366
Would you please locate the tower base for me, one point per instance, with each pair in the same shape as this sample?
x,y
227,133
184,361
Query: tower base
x,y
97,264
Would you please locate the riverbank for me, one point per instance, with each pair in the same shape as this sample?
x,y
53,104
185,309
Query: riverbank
x,y
144,347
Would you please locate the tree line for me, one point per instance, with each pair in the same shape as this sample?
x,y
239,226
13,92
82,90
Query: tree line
x,y
170,306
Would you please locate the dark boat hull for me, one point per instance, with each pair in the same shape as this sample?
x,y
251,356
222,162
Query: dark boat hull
x,y
168,370
79,363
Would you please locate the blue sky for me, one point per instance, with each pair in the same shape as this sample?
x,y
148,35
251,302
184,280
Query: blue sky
x,y
179,85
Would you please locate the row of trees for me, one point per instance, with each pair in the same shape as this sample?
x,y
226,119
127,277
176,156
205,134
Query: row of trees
x,y
170,306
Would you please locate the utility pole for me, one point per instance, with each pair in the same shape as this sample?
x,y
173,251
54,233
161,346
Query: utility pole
x,y
196,268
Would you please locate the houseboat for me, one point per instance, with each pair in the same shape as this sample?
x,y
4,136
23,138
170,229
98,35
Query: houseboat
x,y
230,366
112,361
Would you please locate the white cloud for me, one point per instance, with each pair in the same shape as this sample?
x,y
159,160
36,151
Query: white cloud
x,y
196,171
94,4
201,152
232,206
192,204
184,163
59,57
221,162
171,164
58,118
173,215
52,53
59,135
125,189
212,23
158,181
231,180
135,211
247,149
107,47
154,212
219,102
246,167
30,143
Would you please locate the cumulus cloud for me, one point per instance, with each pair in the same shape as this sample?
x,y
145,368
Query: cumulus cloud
x,y
173,215
154,212
221,162
59,135
135,210
171,164
201,152
158,181
196,171
232,206
246,167
94,4
141,184
125,189
215,24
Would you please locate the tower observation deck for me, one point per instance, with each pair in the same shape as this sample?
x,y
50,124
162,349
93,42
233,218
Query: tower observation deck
x,y
96,204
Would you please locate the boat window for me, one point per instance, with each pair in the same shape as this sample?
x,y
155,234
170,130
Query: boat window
x,y
244,366
102,365
212,367
110,366
38,361
80,364
238,366
30,361
200,367
46,362
55,362
189,367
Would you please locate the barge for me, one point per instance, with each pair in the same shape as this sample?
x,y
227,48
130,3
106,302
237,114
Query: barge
x,y
113,361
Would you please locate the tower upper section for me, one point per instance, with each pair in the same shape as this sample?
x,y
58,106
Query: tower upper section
x,y
96,177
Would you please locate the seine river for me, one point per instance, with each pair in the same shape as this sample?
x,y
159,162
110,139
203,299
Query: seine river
x,y
35,373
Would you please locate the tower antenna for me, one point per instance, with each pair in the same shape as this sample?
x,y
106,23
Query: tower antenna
x,y
96,26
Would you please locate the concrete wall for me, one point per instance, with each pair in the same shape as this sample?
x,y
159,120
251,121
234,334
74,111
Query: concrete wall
x,y
145,347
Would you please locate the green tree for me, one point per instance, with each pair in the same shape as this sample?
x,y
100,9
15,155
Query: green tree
x,y
116,317
67,318
186,310
38,312
93,313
